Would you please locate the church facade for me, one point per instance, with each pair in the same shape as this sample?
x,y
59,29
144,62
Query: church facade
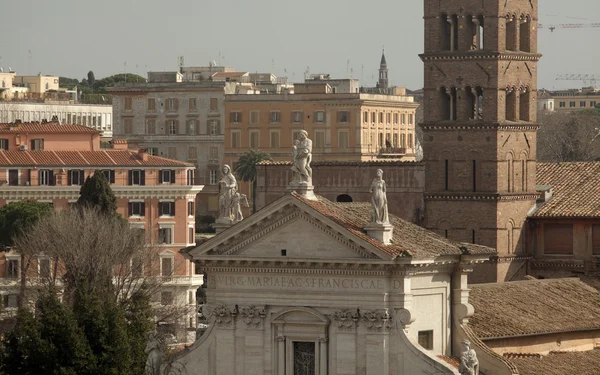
x,y
306,286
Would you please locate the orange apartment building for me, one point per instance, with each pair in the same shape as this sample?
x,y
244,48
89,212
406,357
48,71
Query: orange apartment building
x,y
154,193
342,126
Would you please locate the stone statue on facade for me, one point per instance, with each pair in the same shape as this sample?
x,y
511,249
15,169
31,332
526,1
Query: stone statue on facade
x,y
379,204
302,156
239,200
469,364
155,355
227,194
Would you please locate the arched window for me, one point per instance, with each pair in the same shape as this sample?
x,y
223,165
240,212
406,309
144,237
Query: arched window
x,y
448,104
449,30
512,107
344,198
474,102
525,34
524,104
476,28
512,33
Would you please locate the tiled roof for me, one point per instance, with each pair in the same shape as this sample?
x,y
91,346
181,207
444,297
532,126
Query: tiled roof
x,y
122,158
335,162
408,239
576,192
532,307
558,363
48,127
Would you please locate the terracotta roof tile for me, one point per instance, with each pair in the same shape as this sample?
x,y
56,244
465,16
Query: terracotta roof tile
x,y
49,127
576,190
558,363
122,158
519,308
408,239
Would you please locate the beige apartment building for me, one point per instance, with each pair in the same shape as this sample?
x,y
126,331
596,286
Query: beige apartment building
x,y
179,120
342,127
576,99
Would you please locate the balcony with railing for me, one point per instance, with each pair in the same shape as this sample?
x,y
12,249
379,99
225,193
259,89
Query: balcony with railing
x,y
391,152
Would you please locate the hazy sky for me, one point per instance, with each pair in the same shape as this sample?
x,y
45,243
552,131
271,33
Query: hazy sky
x,y
341,37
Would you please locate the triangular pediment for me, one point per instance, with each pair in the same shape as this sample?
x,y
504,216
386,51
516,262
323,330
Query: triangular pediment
x,y
289,225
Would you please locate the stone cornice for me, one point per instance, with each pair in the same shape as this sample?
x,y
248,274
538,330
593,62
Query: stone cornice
x,y
127,192
458,196
479,55
453,126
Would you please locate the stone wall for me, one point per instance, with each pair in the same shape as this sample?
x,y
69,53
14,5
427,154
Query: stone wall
x,y
341,181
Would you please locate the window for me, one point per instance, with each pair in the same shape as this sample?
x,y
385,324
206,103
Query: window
x,y
172,152
128,103
365,116
191,208
76,177
137,208
10,300
46,177
213,127
44,267
343,117
373,117
410,119
213,177
236,139
167,176
37,144
172,127
235,117
380,117
562,104
192,153
137,177
426,339
320,117
13,177
166,208
572,104
274,138
150,126
558,239
388,118
582,104
395,140
596,239
254,117
192,127
297,117
12,268
4,144
151,104
172,104
190,176
592,104
191,235
192,104
275,117
152,151
166,266
166,298
304,358
319,139
343,139
164,236
214,153
137,265
410,141
254,139
214,104
396,118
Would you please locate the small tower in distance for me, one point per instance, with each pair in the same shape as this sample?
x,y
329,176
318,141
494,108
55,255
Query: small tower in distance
x,y
383,73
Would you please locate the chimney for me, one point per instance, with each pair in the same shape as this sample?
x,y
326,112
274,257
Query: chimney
x,y
44,121
55,119
120,144
142,154
15,125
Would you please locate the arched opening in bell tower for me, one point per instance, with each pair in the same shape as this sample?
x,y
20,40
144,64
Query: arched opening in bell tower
x,y
525,34
512,33
524,104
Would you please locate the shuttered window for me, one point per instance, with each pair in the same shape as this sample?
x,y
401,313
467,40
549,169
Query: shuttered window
x,y
558,239
596,239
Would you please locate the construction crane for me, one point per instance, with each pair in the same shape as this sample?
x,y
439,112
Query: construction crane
x,y
568,26
588,79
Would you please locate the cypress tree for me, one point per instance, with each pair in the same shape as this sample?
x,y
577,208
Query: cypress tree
x,y
96,192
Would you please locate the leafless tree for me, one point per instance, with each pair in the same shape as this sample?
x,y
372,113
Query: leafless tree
x,y
566,137
92,250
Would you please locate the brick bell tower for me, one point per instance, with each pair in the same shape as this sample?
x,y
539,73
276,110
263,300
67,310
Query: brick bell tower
x,y
480,126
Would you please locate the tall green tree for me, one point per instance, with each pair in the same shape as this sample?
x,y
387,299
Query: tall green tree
x,y
246,169
47,342
91,79
96,192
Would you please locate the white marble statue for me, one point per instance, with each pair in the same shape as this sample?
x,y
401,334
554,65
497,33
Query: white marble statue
x,y
227,192
155,355
379,200
239,200
469,364
302,155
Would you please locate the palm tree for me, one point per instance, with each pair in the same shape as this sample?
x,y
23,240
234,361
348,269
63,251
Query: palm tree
x,y
246,169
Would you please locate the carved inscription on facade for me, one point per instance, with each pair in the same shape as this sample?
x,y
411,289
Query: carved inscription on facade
x,y
291,282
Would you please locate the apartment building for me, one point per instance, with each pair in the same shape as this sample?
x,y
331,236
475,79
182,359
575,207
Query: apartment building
x,y
576,99
49,136
155,194
13,86
95,116
179,120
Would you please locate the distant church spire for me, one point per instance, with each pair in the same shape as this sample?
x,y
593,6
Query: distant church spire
x,y
383,72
